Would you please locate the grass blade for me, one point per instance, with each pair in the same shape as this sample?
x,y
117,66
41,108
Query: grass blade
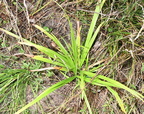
x,y
119,85
87,103
45,50
110,82
46,92
63,58
119,100
66,57
47,60
51,36
90,37
14,35
94,21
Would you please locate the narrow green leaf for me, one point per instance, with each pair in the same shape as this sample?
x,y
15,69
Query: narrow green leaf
x,y
110,82
74,48
94,20
45,50
90,37
48,60
14,35
46,92
89,45
11,34
98,82
53,38
95,35
87,103
64,54
64,58
119,85
119,100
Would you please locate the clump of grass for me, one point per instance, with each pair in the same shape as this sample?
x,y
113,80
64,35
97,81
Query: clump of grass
x,y
13,85
74,58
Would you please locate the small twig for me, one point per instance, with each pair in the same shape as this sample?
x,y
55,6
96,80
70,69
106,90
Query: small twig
x,y
142,28
91,11
48,68
27,14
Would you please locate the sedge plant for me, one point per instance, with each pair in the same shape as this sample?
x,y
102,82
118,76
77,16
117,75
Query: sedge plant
x,y
74,58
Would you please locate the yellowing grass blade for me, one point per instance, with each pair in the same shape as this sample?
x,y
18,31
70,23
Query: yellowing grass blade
x,y
87,103
45,50
14,35
47,60
119,100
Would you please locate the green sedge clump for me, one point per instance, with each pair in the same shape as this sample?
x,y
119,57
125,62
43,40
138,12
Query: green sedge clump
x,y
74,58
